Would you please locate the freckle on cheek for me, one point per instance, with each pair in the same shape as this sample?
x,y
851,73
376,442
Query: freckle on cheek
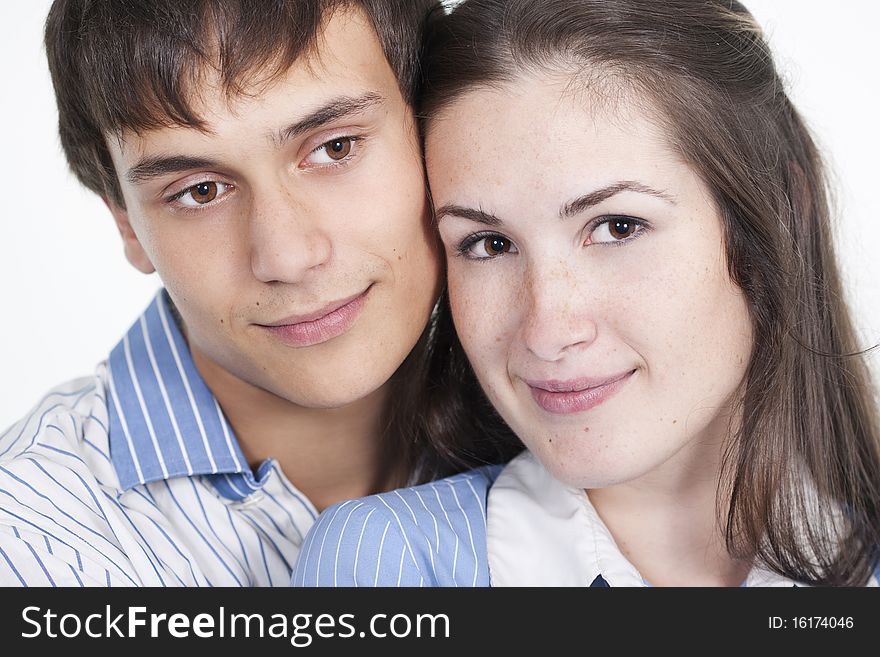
x,y
586,429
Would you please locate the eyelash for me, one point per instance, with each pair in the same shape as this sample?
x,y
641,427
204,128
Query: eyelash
x,y
174,199
356,147
641,226
464,247
355,152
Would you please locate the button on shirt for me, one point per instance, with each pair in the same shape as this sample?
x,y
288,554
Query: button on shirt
x,y
135,477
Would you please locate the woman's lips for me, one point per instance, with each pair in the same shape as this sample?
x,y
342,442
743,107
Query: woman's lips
x,y
319,326
576,395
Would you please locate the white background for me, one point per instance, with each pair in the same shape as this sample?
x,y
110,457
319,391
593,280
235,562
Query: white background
x,y
67,293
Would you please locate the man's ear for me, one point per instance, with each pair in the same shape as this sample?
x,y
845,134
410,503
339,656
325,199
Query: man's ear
x,y
134,252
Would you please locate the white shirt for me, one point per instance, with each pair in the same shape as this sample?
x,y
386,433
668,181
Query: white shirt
x,y
540,532
134,477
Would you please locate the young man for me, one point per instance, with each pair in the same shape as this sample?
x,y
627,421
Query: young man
x,y
264,160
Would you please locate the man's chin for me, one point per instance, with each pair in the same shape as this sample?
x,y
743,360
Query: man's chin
x,y
336,393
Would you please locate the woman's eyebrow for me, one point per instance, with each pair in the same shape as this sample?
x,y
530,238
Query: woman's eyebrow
x,y
587,201
570,209
466,213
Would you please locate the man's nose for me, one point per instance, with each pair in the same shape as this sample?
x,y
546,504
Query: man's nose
x,y
287,238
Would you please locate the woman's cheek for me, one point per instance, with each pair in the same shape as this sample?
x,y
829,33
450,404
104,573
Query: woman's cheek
x,y
465,301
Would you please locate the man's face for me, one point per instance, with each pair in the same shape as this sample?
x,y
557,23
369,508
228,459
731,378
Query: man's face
x,y
293,234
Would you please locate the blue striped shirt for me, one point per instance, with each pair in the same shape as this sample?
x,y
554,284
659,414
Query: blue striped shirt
x,y
511,526
135,477
428,535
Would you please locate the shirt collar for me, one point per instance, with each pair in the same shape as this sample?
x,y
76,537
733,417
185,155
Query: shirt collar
x,y
540,532
164,421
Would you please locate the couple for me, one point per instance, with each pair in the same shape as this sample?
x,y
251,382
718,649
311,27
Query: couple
x,y
638,267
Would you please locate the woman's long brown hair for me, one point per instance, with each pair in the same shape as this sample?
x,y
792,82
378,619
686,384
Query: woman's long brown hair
x,y
800,489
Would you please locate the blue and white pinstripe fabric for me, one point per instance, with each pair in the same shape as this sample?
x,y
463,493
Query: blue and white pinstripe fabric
x,y
134,477
429,535
516,526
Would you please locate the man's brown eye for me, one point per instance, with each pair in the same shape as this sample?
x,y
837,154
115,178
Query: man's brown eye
x,y
496,245
621,228
338,149
204,192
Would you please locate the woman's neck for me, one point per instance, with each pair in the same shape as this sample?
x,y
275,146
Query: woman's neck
x,y
672,541
666,523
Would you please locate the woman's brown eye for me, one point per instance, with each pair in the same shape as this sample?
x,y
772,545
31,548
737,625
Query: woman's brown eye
x,y
204,192
338,149
621,228
496,245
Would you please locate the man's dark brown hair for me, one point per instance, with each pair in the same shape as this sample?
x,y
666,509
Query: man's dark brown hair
x,y
138,65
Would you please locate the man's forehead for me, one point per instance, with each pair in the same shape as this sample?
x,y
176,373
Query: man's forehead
x,y
345,61
156,152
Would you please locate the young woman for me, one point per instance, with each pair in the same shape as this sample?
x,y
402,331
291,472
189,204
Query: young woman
x,y
641,274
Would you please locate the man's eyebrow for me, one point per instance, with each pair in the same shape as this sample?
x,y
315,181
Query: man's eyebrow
x,y
154,167
587,201
466,213
337,108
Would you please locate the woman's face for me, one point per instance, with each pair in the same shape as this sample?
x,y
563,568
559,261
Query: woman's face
x,y
588,280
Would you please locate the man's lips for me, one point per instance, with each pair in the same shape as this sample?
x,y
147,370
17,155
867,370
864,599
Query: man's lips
x,y
315,314
321,325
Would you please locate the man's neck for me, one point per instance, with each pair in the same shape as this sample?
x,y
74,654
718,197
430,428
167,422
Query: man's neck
x,y
330,455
